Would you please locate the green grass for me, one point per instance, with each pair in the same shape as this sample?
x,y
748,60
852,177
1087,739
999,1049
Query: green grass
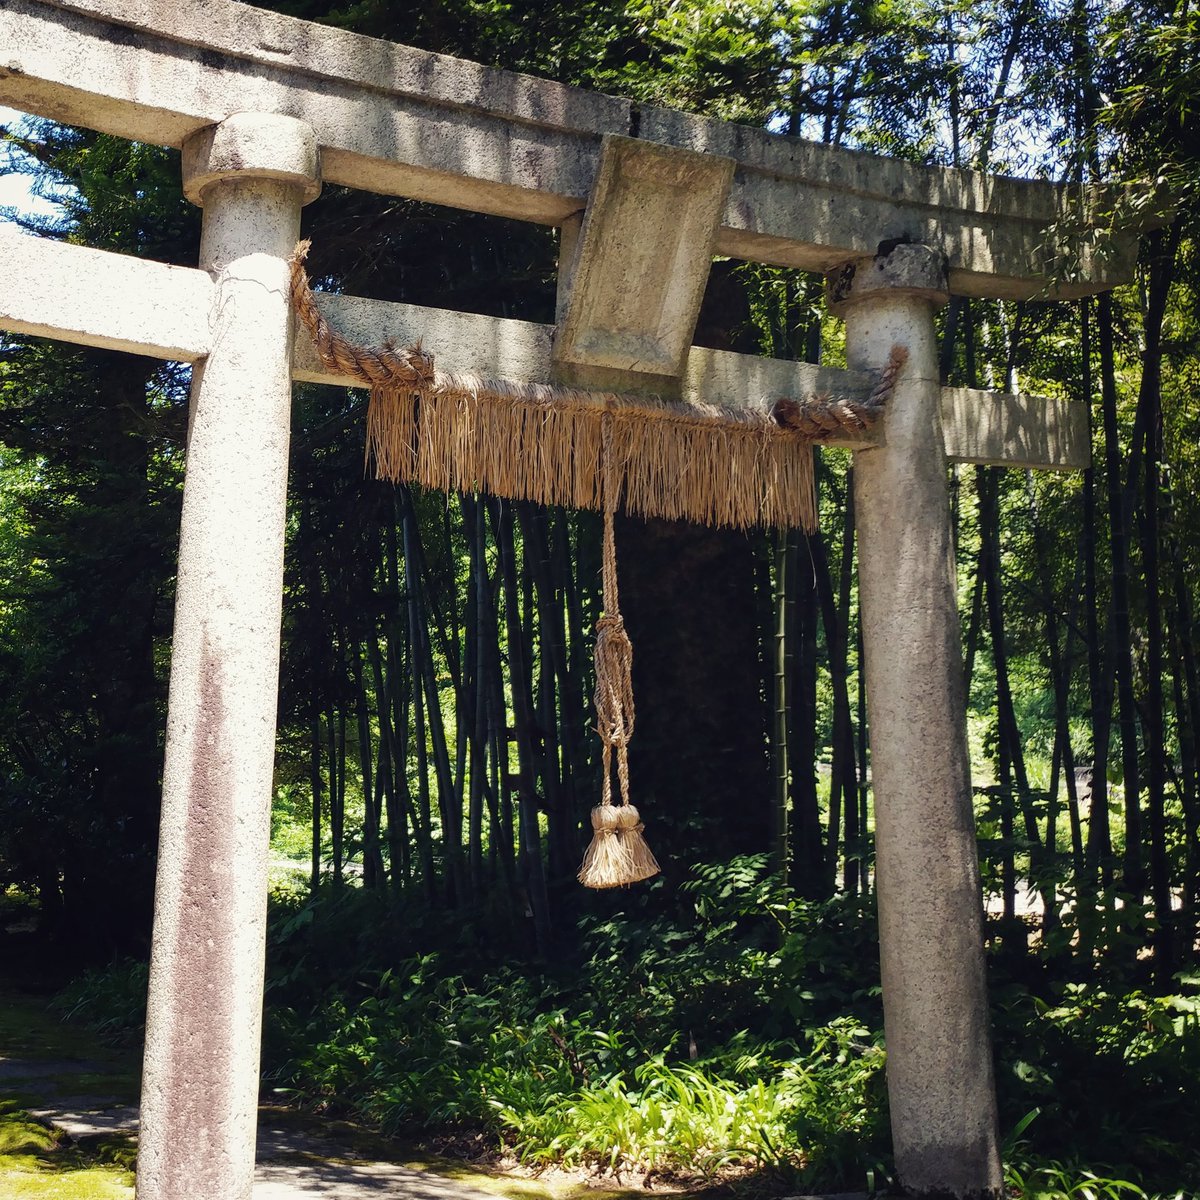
x,y
29,1029
38,1163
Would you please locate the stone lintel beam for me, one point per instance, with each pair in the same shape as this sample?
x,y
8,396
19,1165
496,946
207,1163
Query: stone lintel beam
x,y
999,429
97,298
401,121
994,428
631,285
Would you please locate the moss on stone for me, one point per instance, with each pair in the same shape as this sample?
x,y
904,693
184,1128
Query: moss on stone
x,y
39,1163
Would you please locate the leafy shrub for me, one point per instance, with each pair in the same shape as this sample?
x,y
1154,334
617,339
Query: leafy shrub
x,y
810,1116
682,1042
1114,1078
346,937
742,953
1058,1181
112,1001
677,1119
424,1048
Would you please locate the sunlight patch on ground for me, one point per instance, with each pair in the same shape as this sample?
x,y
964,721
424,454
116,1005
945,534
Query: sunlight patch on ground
x,y
36,1164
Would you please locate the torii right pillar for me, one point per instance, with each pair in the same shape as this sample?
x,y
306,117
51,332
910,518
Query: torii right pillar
x,y
941,1085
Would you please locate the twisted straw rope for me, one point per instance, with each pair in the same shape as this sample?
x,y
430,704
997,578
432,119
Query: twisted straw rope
x,y
822,416
811,419
614,651
378,368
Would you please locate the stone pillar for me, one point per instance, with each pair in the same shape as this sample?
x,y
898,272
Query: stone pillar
x,y
940,1076
200,1083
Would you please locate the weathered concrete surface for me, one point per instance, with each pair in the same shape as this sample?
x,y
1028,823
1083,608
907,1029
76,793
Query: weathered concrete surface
x,y
631,286
940,1079
251,145
200,1079
1039,432
461,343
501,348
96,298
401,121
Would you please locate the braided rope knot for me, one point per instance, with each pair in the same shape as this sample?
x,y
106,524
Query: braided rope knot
x,y
614,681
614,699
826,416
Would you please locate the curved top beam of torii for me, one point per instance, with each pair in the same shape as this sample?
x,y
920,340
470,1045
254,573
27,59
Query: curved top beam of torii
x,y
396,120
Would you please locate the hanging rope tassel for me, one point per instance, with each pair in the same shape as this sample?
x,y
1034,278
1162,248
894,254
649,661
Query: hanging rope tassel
x,y
618,853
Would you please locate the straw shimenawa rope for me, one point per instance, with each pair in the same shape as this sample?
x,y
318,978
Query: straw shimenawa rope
x,y
696,462
530,441
618,853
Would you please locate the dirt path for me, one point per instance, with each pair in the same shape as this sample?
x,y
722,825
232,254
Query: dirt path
x,y
294,1162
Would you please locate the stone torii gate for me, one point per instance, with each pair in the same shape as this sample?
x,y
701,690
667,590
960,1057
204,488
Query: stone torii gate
x,y
265,108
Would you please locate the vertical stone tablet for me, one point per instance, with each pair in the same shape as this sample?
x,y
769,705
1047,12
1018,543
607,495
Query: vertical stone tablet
x,y
632,277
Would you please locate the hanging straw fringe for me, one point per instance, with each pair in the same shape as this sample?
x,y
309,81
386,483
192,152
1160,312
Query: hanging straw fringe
x,y
528,441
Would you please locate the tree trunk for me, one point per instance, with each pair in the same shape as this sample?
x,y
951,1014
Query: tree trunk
x,y
785,570
425,682
314,776
519,675
1161,256
1120,642
1099,837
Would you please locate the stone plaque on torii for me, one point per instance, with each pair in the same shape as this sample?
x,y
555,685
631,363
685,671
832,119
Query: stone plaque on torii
x,y
266,108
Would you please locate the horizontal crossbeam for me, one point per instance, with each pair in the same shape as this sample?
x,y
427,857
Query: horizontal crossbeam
x,y
401,121
993,428
98,298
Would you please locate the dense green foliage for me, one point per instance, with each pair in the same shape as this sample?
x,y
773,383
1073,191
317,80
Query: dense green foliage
x,y
739,1032
435,762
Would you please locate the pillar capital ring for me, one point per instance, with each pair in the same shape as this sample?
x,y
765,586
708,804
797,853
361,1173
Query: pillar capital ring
x,y
252,146
907,269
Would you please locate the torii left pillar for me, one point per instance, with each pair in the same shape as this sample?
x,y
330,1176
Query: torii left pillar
x,y
251,174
